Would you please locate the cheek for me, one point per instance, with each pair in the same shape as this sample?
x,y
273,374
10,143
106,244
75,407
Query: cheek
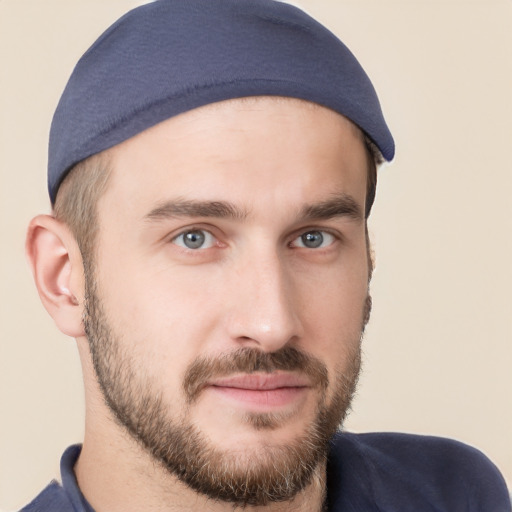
x,y
335,330
333,312
334,324
160,317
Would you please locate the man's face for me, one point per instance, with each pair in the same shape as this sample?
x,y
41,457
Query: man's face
x,y
226,303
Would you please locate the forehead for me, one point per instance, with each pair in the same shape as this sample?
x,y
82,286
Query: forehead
x,y
236,147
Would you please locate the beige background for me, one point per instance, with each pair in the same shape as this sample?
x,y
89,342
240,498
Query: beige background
x,y
438,356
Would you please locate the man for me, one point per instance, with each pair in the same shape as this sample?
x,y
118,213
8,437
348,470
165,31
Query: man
x,y
212,165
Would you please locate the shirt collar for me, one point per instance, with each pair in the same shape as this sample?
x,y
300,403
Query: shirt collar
x,y
69,482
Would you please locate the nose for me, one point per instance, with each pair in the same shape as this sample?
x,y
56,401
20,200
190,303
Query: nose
x,y
266,309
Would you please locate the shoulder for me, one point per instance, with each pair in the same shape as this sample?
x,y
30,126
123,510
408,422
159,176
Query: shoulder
x,y
52,499
420,472
65,497
418,452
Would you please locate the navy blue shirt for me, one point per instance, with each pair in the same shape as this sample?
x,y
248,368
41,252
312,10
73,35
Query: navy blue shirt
x,y
382,472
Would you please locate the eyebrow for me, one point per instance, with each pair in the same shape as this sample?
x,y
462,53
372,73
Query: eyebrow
x,y
342,205
339,206
193,208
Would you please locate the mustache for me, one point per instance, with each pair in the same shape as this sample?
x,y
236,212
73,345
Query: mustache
x,y
252,360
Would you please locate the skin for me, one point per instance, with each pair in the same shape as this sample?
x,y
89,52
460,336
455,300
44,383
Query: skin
x,y
254,284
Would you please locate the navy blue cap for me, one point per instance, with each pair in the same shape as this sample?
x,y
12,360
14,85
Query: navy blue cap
x,y
171,56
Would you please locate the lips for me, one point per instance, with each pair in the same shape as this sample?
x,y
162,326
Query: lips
x,y
261,390
262,382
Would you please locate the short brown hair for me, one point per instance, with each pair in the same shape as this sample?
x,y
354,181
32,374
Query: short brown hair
x,y
375,159
77,200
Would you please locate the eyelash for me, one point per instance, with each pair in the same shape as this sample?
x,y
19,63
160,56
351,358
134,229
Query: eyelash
x,y
210,239
323,234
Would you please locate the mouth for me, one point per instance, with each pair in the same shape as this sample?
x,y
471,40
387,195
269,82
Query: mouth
x,y
262,392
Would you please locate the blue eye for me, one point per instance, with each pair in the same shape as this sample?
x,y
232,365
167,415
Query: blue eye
x,y
314,240
195,239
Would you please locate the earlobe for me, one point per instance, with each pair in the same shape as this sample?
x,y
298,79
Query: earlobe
x,y
57,268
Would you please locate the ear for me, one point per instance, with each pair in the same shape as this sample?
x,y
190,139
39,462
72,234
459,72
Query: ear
x,y
57,268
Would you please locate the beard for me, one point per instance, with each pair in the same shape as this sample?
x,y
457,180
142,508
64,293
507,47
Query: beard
x,y
241,477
